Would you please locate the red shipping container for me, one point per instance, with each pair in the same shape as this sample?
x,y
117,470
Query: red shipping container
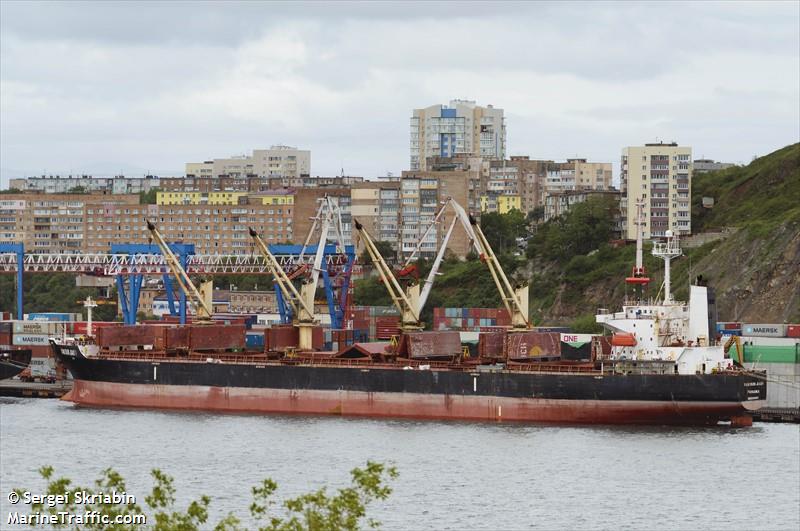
x,y
217,337
491,344
733,326
5,338
317,338
431,345
793,330
176,338
130,335
279,338
533,345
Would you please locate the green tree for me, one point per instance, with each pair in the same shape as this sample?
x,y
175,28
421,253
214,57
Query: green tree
x,y
149,197
319,510
502,230
386,250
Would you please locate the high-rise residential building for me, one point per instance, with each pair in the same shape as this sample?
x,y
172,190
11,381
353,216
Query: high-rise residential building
x,y
660,175
285,162
460,128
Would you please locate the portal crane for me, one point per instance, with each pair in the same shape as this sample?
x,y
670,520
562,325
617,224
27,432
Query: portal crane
x,y
407,302
203,297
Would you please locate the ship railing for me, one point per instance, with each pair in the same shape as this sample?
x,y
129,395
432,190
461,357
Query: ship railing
x,y
535,367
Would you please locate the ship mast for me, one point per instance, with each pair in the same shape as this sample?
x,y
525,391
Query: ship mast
x,y
667,251
639,274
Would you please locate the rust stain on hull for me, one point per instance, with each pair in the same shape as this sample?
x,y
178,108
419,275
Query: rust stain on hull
x,y
399,405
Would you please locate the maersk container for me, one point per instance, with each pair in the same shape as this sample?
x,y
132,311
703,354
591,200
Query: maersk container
x,y
764,330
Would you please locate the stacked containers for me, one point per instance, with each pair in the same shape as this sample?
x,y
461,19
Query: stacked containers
x,y
469,319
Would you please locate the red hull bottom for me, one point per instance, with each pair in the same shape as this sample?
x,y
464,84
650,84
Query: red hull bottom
x,y
398,405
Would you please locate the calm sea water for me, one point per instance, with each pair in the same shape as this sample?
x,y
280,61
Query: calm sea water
x,y
452,475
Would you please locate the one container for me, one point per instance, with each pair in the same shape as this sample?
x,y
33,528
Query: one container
x,y
533,345
793,330
39,327
30,339
764,330
491,344
432,345
217,337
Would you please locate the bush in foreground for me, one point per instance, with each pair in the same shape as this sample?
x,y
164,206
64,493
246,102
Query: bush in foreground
x,y
318,510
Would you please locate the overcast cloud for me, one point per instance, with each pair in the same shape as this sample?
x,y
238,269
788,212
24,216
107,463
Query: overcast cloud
x,y
144,86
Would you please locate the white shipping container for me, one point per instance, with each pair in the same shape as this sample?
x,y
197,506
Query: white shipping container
x,y
764,330
783,387
38,328
30,339
43,367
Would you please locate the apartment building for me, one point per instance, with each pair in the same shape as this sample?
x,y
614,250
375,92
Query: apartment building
x,y
500,203
82,223
460,128
661,175
285,162
578,174
57,184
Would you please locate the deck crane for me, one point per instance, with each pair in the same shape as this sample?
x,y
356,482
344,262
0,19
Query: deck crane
x,y
203,296
301,302
514,299
407,302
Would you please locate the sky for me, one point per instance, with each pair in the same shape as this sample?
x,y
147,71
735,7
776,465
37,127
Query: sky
x,y
144,87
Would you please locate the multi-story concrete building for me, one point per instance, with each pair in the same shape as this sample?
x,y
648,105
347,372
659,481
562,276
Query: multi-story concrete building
x,y
56,184
285,162
578,174
661,175
500,203
707,165
80,223
461,128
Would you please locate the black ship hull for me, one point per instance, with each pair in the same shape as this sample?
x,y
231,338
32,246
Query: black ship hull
x,y
13,362
403,392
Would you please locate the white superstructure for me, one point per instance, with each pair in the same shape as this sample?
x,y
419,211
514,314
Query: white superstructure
x,y
667,330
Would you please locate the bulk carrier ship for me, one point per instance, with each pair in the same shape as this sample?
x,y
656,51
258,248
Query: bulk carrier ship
x,y
659,366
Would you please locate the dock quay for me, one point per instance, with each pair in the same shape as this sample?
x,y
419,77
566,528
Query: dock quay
x,y
34,389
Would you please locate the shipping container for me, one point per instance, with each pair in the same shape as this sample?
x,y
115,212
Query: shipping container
x,y
431,345
131,335
43,368
783,388
51,316
764,330
793,330
769,354
217,337
6,327
30,339
254,340
39,327
177,338
770,341
491,345
5,338
522,346
279,338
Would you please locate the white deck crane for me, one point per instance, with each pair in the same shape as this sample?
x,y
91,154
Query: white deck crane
x,y
201,297
407,302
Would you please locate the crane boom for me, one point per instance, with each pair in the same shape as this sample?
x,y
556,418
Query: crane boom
x,y
204,310
290,293
515,300
408,303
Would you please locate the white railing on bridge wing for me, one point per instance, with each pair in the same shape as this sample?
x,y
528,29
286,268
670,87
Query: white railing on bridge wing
x,y
150,264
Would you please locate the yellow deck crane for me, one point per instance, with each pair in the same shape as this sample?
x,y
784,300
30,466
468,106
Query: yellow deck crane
x,y
515,300
301,302
201,297
408,301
